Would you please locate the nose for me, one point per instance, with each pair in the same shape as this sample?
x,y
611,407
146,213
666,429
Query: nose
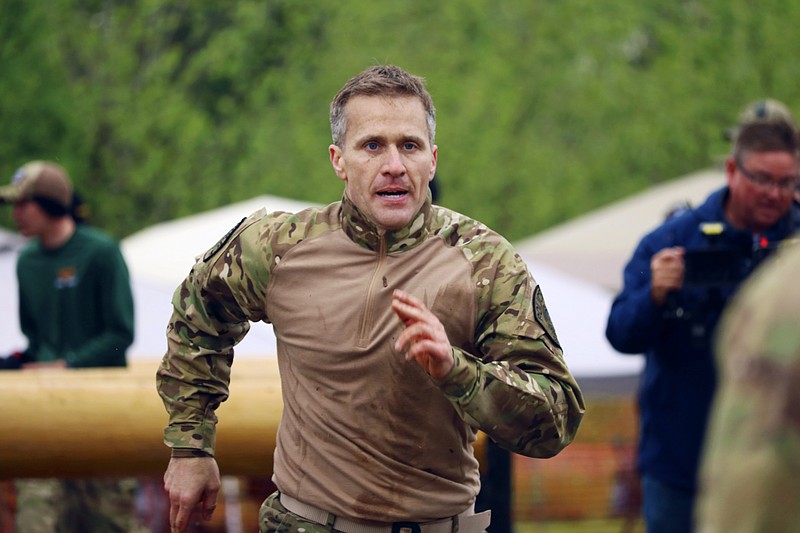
x,y
774,190
394,162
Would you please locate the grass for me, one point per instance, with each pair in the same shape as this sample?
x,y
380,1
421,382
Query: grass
x,y
582,526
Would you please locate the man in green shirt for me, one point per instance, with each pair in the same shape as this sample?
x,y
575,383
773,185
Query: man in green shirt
x,y
75,301
76,310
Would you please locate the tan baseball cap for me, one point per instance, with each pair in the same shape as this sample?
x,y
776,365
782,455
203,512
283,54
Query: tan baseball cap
x,y
764,110
39,180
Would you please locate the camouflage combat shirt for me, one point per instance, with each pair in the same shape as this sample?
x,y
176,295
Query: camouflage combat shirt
x,y
364,434
750,473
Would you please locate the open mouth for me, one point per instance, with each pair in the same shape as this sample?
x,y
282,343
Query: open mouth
x,y
392,194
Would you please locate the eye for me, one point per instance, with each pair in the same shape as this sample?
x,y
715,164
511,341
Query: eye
x,y
372,145
409,146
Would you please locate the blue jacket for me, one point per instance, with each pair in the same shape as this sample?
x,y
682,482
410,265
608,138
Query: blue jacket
x,y
679,375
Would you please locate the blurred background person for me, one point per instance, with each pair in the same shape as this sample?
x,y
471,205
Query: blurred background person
x,y
76,311
766,109
76,305
681,276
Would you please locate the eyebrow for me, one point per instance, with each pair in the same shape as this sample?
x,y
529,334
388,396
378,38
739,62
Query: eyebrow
x,y
766,173
421,141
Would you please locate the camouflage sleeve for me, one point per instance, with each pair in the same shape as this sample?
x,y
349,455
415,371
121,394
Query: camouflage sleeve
x,y
519,391
750,469
212,311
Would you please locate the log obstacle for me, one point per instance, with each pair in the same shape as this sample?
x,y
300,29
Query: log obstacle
x,y
109,422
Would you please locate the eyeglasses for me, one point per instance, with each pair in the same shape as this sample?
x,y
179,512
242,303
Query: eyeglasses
x,y
767,181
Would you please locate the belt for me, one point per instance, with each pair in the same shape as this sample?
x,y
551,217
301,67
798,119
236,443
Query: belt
x,y
466,522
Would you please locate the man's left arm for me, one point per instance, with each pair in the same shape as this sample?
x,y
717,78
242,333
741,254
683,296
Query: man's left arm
x,y
518,390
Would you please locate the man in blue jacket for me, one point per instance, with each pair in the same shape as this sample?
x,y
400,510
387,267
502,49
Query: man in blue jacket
x,y
676,285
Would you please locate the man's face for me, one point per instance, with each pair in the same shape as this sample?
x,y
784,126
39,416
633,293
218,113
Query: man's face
x,y
30,218
386,160
761,188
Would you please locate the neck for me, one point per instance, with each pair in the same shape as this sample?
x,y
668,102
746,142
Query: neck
x,y
58,232
369,235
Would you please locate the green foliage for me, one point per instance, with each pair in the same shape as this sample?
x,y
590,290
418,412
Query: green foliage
x,y
546,109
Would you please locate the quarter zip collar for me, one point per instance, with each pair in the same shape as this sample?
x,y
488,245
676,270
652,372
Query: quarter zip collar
x,y
366,234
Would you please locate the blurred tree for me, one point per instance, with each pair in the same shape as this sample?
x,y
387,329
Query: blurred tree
x,y
164,108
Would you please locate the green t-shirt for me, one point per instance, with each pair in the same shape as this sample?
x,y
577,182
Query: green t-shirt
x,y
75,302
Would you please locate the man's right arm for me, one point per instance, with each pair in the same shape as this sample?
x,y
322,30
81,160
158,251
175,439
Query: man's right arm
x,y
212,310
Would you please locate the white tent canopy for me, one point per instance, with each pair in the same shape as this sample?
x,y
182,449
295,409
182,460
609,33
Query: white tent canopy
x,y
596,246
160,257
162,254
11,339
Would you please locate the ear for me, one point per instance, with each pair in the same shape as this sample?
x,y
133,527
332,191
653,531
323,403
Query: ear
x,y
337,161
434,160
730,169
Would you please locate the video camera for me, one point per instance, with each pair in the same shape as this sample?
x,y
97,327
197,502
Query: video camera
x,y
716,265
719,264
712,272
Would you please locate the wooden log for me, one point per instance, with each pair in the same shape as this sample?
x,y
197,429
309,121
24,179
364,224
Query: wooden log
x,y
110,421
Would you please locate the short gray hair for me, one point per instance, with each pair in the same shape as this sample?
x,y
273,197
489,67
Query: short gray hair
x,y
380,80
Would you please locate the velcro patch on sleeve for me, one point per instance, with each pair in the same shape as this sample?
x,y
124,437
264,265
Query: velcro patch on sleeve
x,y
222,242
543,315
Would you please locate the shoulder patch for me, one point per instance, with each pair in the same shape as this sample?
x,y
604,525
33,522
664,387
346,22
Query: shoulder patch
x,y
543,315
220,243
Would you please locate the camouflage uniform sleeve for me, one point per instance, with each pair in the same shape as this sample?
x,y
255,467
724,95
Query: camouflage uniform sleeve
x,y
519,390
212,311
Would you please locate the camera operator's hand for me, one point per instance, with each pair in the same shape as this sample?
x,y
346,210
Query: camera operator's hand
x,y
666,269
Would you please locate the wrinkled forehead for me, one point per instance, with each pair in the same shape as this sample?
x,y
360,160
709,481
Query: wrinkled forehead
x,y
783,160
399,112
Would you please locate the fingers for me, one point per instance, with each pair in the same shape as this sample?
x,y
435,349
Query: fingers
x,y
667,270
407,298
193,485
180,514
407,307
413,335
424,339
420,323
173,516
209,503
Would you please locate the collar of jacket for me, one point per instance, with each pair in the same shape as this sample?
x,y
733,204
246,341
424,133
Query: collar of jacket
x,y
366,234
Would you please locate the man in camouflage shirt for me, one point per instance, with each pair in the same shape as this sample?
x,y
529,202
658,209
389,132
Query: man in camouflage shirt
x,y
750,476
403,328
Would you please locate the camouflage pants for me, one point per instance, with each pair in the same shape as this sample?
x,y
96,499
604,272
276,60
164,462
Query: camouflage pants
x,y
76,505
274,517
